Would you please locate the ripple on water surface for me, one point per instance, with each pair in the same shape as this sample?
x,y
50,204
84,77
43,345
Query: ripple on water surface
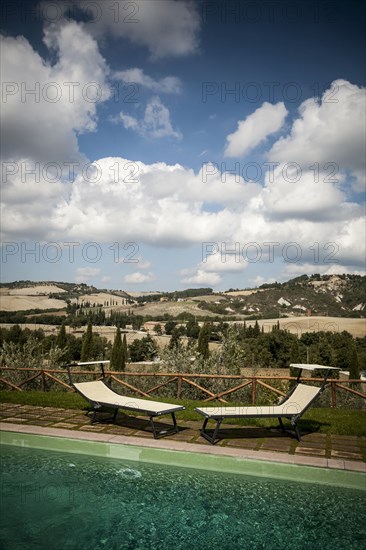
x,y
63,501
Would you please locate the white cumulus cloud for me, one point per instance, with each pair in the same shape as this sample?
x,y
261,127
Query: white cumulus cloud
x,y
166,28
223,257
166,205
254,129
330,132
200,277
155,123
46,105
167,85
296,193
138,278
217,260
86,274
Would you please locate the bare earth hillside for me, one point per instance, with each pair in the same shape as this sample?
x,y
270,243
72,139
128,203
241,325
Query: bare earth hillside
x,y
41,297
37,297
23,303
172,308
38,290
298,325
100,299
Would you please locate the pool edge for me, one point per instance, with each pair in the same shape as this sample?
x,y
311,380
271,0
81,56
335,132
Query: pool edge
x,y
341,473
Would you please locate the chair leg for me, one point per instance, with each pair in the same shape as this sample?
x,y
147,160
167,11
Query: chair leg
x,y
211,438
281,425
204,425
175,427
153,427
214,436
295,427
162,433
297,432
109,419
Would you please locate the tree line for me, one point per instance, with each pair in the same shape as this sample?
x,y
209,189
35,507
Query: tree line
x,y
240,346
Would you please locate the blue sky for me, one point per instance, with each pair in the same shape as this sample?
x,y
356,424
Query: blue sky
x,y
160,145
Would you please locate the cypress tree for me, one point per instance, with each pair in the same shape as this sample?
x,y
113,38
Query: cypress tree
x,y
87,349
174,339
193,329
61,340
295,352
354,369
125,349
118,356
203,339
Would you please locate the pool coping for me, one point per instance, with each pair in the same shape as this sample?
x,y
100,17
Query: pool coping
x,y
181,446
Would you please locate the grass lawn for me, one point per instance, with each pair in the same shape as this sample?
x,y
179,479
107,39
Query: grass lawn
x,y
321,420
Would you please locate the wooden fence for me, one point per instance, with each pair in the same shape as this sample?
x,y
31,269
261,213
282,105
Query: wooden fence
x,y
181,380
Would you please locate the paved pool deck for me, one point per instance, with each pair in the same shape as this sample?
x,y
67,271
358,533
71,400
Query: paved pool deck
x,y
314,449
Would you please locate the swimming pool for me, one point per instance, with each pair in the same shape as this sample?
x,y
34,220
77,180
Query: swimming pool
x,y
77,501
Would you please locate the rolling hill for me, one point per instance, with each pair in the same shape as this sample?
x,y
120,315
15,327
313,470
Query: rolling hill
x,y
315,295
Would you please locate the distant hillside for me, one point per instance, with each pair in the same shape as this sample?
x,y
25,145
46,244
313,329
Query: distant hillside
x,y
315,295
64,286
330,295
51,295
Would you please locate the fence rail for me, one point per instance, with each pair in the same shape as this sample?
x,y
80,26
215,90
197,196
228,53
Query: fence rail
x,y
180,379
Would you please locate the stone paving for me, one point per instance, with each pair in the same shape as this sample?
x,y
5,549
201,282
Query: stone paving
x,y
350,448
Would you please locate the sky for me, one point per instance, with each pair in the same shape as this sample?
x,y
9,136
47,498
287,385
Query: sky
x,y
163,145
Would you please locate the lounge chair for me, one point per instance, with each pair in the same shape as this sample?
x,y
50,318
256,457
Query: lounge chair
x,y
292,406
101,397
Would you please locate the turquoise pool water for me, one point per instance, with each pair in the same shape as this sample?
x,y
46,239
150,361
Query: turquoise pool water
x,y
71,501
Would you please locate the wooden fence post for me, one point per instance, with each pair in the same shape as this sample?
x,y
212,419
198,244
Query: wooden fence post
x,y
254,388
179,388
334,395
